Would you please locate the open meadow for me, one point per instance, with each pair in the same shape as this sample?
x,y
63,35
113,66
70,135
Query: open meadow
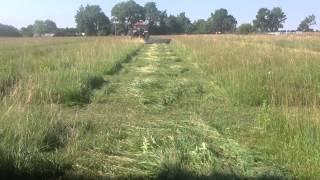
x,y
201,107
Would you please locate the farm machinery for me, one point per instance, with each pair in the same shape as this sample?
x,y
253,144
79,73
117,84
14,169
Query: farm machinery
x,y
140,29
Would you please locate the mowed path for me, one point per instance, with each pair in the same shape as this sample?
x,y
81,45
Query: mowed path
x,y
148,125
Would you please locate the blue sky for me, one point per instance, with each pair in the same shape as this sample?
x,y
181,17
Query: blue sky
x,y
23,12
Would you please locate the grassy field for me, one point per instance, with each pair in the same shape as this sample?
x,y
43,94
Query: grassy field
x,y
203,107
61,70
278,76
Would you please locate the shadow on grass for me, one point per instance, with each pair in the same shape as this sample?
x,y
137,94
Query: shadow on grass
x,y
44,171
180,174
158,40
6,84
169,174
118,66
83,96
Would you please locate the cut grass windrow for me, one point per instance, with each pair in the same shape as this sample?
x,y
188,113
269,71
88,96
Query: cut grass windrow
x,y
155,128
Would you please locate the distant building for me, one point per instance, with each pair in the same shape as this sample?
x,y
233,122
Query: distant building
x,y
49,35
44,35
284,33
58,34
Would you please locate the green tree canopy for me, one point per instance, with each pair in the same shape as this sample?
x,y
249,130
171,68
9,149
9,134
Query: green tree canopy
x,y
306,24
8,31
200,26
269,20
153,16
128,12
173,26
39,27
67,32
47,26
92,20
261,22
27,31
222,22
152,13
184,23
51,26
245,29
121,28
276,19
162,28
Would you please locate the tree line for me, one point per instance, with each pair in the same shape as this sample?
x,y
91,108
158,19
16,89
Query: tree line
x,y
92,21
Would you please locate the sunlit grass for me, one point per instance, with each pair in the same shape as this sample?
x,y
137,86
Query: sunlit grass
x,y
204,107
36,75
277,74
59,70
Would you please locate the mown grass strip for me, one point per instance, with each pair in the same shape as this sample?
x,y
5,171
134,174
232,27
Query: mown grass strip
x,y
118,65
95,81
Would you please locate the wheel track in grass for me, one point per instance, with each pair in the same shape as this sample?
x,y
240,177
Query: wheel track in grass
x,y
152,131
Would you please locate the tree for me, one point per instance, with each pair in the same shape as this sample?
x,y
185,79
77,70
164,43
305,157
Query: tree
x,y
128,13
153,16
120,28
27,31
245,29
162,29
276,19
222,22
306,24
9,31
61,32
261,22
269,20
51,26
92,21
173,26
200,27
184,23
40,27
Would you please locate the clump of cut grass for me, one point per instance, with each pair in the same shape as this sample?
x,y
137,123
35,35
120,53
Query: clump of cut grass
x,y
55,136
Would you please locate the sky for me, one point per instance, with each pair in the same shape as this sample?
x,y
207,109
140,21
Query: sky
x,y
21,13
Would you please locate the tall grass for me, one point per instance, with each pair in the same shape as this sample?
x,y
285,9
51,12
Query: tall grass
x,y
37,134
153,119
58,70
281,76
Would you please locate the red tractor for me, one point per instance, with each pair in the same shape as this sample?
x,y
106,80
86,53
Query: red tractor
x,y
140,29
